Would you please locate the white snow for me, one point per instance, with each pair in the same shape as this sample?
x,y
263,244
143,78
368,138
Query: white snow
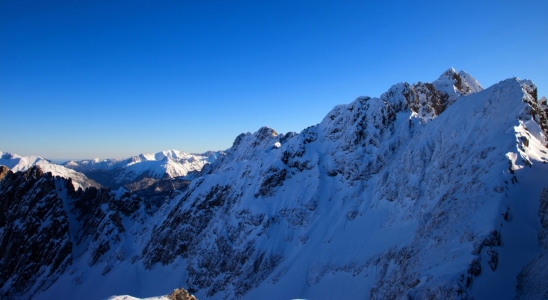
x,y
373,203
170,164
18,163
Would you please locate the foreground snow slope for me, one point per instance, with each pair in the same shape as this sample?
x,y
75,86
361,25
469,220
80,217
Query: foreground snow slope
x,y
430,190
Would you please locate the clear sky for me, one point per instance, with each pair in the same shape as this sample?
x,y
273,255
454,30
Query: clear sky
x,y
86,79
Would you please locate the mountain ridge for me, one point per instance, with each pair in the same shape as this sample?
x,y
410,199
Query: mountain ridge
x,y
22,163
422,192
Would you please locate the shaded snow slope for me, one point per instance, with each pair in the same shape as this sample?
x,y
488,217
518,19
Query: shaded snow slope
x,y
22,163
532,278
428,191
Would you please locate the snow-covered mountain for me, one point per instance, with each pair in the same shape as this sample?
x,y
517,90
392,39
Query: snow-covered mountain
x,y
165,164
22,163
151,175
432,190
161,165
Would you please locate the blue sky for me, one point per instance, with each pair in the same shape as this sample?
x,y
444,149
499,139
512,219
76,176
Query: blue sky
x,y
85,79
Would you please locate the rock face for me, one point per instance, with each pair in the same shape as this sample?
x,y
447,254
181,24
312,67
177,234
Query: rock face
x,y
3,172
45,224
415,194
539,111
428,100
180,294
34,237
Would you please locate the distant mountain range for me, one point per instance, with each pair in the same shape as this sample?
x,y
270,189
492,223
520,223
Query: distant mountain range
x,y
431,191
160,165
151,175
22,163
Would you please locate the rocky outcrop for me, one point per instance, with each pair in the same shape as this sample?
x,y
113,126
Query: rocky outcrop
x,y
35,244
181,294
162,190
99,216
3,172
43,220
538,110
429,100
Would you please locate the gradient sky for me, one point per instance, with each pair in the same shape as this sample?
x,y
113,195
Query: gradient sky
x,y
86,79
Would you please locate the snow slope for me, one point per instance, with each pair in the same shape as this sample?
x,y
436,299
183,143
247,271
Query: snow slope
x,y
22,163
429,191
367,198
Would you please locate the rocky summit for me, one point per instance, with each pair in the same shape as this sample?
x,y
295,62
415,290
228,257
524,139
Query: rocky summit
x,y
432,190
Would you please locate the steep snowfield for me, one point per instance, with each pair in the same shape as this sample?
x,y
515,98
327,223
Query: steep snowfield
x,y
22,163
518,224
430,191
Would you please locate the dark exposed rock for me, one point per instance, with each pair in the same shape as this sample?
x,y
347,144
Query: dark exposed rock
x,y
147,186
36,245
262,134
157,193
181,294
543,211
538,109
3,172
475,267
491,240
187,225
274,179
493,261
432,100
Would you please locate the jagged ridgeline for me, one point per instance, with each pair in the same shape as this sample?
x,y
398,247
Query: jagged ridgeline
x,y
46,224
432,190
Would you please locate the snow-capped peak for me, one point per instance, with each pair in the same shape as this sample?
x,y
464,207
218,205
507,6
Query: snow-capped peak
x,y
22,163
431,99
449,74
163,164
457,84
470,82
